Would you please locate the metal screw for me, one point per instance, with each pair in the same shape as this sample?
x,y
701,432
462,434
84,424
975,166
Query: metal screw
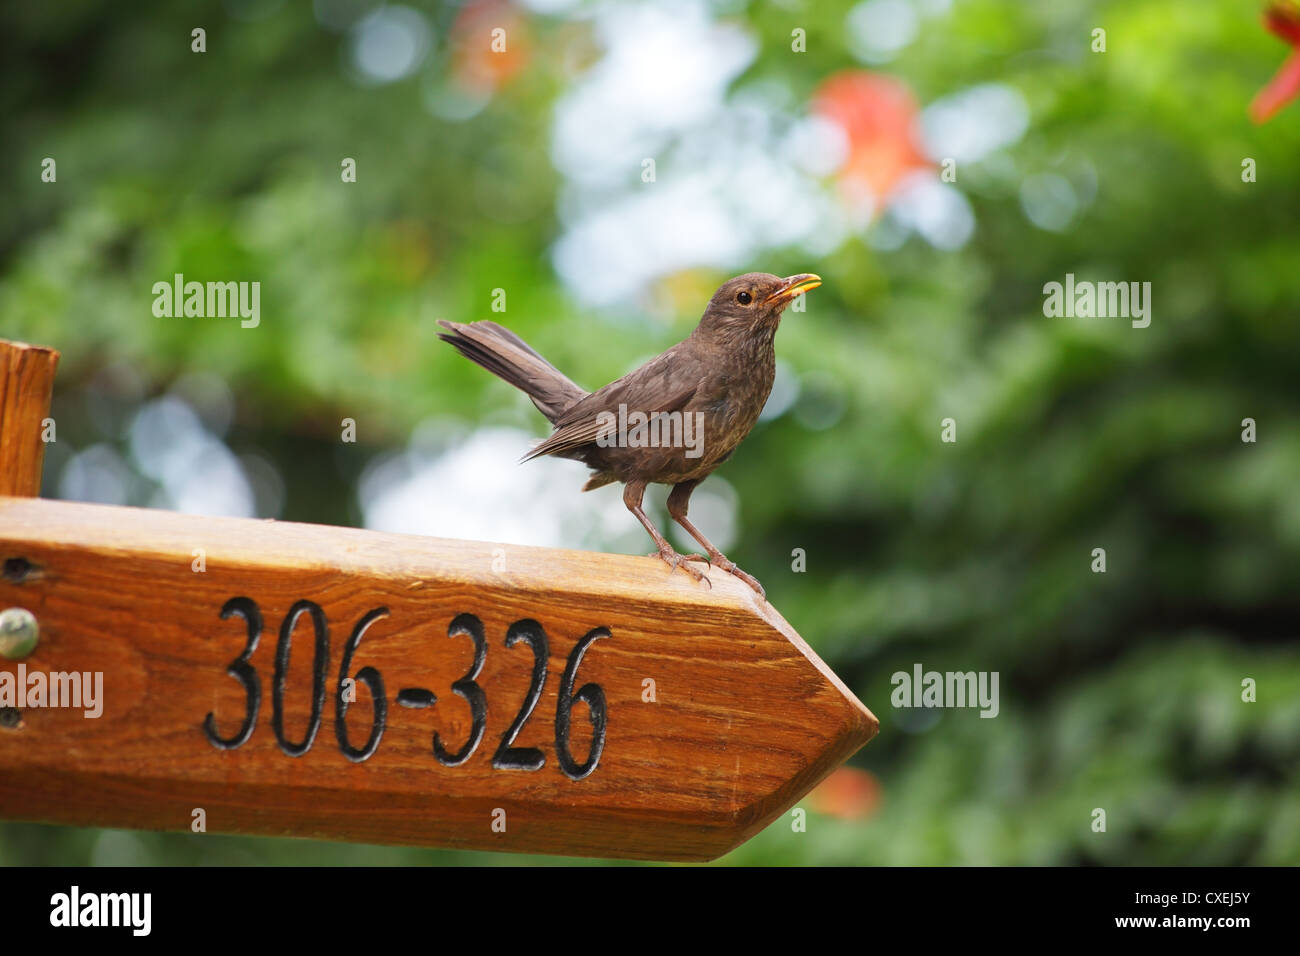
x,y
19,633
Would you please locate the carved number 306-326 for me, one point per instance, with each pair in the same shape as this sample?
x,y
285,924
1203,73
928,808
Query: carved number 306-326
x,y
507,756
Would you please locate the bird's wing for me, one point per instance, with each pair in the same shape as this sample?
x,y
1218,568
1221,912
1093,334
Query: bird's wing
x,y
567,438
582,426
663,384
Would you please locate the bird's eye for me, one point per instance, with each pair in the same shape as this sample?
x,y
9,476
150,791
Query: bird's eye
x,y
744,298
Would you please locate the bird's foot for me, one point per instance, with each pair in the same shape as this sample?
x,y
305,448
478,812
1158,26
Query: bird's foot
x,y
675,560
720,560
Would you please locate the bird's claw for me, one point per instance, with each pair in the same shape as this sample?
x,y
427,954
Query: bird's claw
x,y
675,560
720,560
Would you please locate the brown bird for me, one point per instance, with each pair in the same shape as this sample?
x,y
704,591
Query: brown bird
x,y
671,421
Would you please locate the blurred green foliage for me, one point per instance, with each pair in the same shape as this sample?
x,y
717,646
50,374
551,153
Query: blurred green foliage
x,y
1119,690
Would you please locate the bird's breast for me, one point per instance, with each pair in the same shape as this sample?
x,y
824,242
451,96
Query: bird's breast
x,y
731,406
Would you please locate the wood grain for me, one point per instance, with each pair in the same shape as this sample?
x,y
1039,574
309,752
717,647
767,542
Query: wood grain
x,y
26,383
746,719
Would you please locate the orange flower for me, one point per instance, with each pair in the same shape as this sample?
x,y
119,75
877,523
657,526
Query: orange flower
x,y
877,114
483,58
1282,19
848,793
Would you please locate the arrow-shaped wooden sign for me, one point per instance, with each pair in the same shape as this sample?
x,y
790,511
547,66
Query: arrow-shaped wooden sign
x,y
240,676
328,682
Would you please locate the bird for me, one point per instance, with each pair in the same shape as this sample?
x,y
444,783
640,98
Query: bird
x,y
671,421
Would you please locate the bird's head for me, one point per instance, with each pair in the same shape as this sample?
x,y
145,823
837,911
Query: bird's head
x,y
753,303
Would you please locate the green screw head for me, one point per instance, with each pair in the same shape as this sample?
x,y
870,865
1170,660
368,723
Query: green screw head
x,y
19,633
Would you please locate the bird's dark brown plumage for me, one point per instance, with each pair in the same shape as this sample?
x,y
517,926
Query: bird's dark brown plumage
x,y
720,376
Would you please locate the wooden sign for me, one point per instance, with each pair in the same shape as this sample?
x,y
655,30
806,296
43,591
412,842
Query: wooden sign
x,y
506,698
26,383
262,677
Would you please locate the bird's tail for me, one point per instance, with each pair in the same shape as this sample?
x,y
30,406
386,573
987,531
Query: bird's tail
x,y
509,357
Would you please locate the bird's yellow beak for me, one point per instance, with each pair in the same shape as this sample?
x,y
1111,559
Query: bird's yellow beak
x,y
793,286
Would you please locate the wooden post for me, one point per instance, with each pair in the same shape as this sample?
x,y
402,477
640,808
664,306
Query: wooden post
x,y
239,676
26,384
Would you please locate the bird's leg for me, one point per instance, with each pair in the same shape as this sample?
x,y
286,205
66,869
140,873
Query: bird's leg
x,y
633,493
678,501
